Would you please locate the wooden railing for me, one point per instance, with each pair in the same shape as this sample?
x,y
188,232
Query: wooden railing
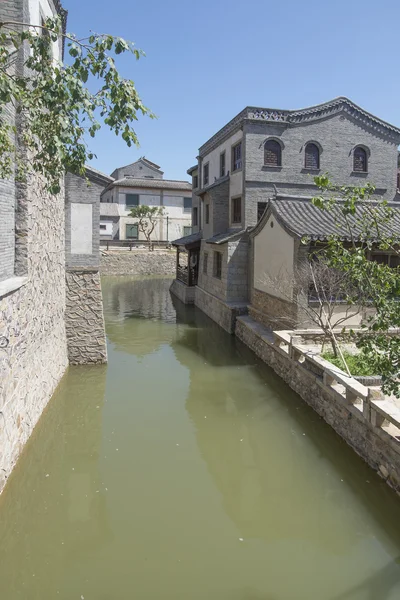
x,y
182,274
133,244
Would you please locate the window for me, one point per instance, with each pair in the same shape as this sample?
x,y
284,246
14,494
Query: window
x,y
398,181
207,214
392,260
222,164
217,265
195,216
272,154
237,157
103,227
195,181
45,33
205,263
205,175
187,230
261,206
236,210
311,158
132,199
360,163
132,232
187,205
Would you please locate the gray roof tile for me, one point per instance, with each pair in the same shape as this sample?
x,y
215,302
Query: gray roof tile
x,y
166,184
302,218
188,239
108,209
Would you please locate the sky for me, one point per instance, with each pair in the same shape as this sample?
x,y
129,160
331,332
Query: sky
x,y
205,61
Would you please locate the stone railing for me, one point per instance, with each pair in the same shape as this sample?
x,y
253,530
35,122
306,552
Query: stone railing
x,y
370,403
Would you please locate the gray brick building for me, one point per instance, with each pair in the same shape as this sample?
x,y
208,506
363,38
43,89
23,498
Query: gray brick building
x,y
260,154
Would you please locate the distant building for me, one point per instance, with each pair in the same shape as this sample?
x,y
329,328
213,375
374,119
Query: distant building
x,y
143,183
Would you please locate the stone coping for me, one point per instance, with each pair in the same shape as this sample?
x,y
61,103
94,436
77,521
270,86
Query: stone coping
x,y
12,285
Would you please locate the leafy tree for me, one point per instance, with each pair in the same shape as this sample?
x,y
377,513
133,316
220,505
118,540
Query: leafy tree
x,y
364,224
146,218
61,105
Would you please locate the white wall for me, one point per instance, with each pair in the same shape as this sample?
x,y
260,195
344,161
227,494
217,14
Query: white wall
x,y
37,10
213,159
173,209
109,228
273,260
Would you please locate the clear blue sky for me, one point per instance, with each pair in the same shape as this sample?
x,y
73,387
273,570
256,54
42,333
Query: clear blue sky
x,y
205,61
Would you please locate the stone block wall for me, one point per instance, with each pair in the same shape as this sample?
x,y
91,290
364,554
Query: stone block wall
x,y
222,313
84,320
207,281
237,271
33,347
233,285
82,209
138,262
272,311
185,293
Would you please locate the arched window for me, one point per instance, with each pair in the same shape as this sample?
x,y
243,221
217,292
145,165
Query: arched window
x,y
311,160
360,160
272,154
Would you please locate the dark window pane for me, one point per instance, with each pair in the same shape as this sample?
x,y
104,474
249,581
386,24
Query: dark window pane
x,y
311,157
205,263
236,210
360,160
187,204
261,206
237,157
131,232
217,265
195,216
207,214
222,164
132,199
272,154
205,175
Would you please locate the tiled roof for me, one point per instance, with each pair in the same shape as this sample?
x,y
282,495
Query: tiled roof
x,y
108,209
97,175
302,218
166,184
226,236
188,239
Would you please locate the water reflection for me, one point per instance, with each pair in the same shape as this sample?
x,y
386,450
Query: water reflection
x,y
186,469
57,513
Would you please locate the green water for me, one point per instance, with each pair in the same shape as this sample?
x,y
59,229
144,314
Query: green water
x,y
186,470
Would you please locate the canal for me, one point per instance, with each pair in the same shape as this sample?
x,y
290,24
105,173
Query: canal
x,y
186,470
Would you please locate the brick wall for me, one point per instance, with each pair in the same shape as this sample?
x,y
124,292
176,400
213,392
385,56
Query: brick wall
x,y
79,191
337,137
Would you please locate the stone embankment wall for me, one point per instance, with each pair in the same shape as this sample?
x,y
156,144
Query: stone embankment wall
x,y
221,312
33,347
84,320
361,416
138,262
